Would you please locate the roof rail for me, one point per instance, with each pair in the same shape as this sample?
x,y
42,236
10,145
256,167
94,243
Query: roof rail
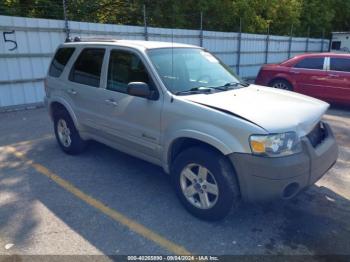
x,y
90,39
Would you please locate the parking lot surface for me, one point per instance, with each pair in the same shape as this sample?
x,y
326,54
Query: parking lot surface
x,y
106,202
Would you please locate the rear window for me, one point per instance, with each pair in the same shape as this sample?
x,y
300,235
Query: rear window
x,y
87,67
60,60
311,63
340,64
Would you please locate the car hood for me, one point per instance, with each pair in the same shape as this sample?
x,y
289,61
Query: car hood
x,y
272,109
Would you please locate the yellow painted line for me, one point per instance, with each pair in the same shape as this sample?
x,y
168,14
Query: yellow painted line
x,y
117,216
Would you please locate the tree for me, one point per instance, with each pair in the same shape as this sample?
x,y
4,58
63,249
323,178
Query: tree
x,y
219,15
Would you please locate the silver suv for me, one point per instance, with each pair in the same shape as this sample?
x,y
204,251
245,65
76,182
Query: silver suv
x,y
180,107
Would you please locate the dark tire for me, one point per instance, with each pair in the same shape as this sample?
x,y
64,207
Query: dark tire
x,y
220,172
77,144
281,84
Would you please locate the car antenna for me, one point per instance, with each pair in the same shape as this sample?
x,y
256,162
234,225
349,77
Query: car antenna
x,y
172,48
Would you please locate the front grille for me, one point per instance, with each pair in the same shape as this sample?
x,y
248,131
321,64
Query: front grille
x,y
317,135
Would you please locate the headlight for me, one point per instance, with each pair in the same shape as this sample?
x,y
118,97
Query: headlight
x,y
275,145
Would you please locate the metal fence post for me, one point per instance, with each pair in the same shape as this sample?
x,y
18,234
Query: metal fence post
x,y
307,40
239,47
322,41
330,43
290,42
201,30
267,44
145,23
66,25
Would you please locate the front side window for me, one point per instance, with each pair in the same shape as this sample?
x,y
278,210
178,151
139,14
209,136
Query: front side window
x,y
340,64
184,69
311,63
87,67
60,60
125,67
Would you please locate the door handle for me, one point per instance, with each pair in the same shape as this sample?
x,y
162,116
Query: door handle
x,y
295,72
111,102
72,91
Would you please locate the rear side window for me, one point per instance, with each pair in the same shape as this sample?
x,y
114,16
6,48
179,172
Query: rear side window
x,y
340,64
87,67
60,60
311,63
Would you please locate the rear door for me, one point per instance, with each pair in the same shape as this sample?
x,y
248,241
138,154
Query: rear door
x,y
338,79
309,77
84,84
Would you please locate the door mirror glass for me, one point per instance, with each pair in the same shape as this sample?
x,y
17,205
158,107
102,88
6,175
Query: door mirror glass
x,y
139,89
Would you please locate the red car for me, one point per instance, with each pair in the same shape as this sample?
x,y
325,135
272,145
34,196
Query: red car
x,y
325,76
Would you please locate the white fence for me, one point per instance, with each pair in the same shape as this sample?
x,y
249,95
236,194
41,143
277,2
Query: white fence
x,y
28,44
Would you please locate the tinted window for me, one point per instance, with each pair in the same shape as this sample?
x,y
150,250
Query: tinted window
x,y
311,63
125,67
59,61
340,64
87,68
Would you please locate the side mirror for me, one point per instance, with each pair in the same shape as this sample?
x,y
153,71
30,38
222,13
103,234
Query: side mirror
x,y
139,89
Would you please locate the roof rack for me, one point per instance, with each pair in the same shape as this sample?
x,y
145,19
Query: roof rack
x,y
89,39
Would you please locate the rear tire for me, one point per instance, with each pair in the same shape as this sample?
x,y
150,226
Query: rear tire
x,y
205,183
281,84
67,135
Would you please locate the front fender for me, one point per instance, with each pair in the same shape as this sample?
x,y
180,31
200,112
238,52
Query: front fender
x,y
222,141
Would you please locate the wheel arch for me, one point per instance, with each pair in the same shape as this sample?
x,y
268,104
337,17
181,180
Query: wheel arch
x,y
182,143
284,78
59,104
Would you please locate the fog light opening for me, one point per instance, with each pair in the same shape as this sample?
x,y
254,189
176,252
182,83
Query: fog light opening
x,y
290,190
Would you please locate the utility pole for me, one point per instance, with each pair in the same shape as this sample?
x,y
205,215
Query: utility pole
x,y
201,31
66,26
290,42
267,44
145,23
307,40
239,46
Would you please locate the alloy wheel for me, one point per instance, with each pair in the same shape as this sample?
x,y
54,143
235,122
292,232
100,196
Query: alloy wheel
x,y
64,133
199,186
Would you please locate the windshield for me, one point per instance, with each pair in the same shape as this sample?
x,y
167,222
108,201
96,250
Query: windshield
x,y
184,69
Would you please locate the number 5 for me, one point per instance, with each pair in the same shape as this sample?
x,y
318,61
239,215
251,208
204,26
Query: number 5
x,y
8,40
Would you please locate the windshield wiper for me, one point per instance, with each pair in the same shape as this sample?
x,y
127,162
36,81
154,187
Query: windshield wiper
x,y
229,85
208,89
195,90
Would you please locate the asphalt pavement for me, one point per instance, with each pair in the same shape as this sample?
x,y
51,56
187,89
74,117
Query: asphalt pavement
x,y
106,202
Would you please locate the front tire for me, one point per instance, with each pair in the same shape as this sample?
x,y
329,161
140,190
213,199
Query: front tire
x,y
205,183
67,135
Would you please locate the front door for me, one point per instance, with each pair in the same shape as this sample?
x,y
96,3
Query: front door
x,y
133,122
309,76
